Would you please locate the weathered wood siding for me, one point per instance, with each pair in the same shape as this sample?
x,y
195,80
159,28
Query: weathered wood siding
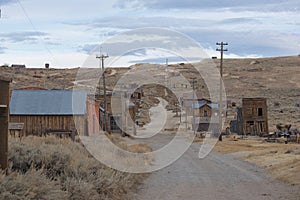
x,y
4,108
36,125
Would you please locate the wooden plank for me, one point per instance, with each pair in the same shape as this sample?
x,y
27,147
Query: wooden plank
x,y
15,126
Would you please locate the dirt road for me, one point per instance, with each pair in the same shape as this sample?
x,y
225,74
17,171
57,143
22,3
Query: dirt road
x,y
215,177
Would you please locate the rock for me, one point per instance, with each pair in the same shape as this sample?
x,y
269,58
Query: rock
x,y
255,62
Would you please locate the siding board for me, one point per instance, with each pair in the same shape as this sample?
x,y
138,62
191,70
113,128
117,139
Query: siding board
x,y
36,125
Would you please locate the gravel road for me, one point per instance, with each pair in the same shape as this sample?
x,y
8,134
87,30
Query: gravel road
x,y
215,177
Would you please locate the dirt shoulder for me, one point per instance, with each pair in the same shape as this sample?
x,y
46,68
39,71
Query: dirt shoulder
x,y
281,160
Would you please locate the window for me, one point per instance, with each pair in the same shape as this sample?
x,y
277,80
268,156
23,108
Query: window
x,y
260,112
249,111
251,123
113,124
205,113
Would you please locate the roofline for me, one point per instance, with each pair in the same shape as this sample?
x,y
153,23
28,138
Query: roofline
x,y
46,114
5,79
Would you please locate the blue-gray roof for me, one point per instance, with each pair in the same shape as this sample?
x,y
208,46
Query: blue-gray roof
x,y
48,102
211,105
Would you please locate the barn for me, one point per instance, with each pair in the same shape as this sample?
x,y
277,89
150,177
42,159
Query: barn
x,y
41,110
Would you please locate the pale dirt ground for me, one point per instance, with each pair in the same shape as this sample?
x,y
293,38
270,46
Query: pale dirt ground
x,y
281,160
216,176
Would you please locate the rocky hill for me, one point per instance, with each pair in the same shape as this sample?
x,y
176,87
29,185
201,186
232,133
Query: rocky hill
x,y
276,79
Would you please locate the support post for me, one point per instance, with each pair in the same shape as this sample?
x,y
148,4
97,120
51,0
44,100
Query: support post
x,y
4,119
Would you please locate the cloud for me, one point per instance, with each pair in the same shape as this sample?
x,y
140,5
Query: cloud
x,y
2,50
88,48
209,4
240,20
5,2
26,36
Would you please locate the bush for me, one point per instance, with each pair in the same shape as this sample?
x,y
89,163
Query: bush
x,y
58,168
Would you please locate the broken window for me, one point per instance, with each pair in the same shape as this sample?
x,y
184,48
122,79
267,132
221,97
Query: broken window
x,y
250,123
260,112
113,123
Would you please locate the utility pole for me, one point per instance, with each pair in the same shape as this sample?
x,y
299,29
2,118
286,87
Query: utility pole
x,y
221,44
102,58
194,121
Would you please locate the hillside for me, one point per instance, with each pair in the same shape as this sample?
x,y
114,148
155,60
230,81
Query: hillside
x,y
276,79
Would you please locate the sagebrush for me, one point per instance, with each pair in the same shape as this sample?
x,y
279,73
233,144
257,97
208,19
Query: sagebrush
x,y
50,168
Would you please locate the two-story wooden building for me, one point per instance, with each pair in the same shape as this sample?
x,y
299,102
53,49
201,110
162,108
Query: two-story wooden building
x,y
255,116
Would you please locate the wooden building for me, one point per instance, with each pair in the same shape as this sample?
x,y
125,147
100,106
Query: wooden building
x,y
4,117
236,126
205,115
40,110
93,115
187,103
117,116
18,66
255,116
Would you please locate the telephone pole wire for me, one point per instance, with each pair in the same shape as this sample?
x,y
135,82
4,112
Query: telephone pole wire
x,y
221,44
102,57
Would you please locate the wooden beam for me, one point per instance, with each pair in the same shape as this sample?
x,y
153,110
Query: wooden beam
x,y
4,101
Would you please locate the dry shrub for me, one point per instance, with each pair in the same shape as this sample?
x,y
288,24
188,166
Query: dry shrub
x,y
139,148
31,185
63,167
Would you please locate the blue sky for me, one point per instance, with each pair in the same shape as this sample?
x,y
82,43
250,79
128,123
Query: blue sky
x,y
63,32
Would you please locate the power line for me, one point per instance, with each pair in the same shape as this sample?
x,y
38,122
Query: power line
x,y
35,29
221,44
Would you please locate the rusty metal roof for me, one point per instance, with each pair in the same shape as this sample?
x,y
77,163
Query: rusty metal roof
x,y
48,102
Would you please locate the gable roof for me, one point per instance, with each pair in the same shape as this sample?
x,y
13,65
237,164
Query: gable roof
x,y
211,105
48,102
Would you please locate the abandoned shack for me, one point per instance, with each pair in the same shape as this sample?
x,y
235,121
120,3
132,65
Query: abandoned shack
x,y
252,118
203,116
187,103
41,110
117,116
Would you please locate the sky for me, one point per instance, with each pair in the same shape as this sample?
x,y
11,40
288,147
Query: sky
x,y
67,33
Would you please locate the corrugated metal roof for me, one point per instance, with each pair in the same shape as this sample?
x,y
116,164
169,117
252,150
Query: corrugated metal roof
x,y
48,102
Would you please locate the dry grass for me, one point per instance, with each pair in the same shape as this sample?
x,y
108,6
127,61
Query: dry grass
x,y
198,140
236,144
139,148
48,168
281,160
